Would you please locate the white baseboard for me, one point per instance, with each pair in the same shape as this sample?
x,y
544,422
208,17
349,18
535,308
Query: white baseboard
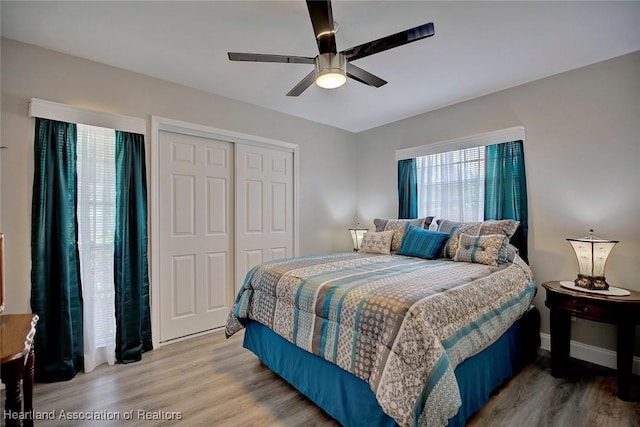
x,y
590,353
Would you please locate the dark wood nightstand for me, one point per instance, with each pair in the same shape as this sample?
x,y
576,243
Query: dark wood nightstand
x,y
622,311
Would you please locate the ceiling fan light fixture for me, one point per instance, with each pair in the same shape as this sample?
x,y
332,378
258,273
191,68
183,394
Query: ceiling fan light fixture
x,y
330,65
330,80
331,70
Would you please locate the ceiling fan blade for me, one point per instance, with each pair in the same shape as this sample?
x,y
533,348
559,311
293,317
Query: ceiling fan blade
x,y
303,85
323,28
259,57
357,73
389,42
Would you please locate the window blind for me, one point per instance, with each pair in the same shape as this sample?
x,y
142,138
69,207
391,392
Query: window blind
x,y
96,227
451,185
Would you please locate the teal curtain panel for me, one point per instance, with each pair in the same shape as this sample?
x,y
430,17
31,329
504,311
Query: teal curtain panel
x,y
56,291
506,189
131,273
407,189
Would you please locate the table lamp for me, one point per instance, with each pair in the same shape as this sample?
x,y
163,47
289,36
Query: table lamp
x,y
357,234
592,253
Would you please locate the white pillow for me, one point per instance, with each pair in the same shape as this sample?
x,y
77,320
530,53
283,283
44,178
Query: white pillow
x,y
377,242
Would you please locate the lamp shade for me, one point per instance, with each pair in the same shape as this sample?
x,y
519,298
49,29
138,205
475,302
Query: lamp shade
x,y
592,253
357,234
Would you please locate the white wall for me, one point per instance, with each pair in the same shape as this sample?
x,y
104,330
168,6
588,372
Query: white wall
x,y
327,200
582,155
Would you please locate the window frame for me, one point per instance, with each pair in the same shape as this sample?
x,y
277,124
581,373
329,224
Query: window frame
x,y
488,138
72,114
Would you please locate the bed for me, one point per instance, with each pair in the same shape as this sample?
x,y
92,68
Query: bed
x,y
390,339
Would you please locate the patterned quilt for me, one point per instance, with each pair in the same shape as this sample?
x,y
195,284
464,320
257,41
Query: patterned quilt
x,y
402,324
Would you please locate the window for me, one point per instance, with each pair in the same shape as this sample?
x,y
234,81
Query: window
x,y
96,173
79,173
468,179
452,175
451,184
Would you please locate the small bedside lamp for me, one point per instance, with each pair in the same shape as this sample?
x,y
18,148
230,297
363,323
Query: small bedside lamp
x,y
592,253
357,234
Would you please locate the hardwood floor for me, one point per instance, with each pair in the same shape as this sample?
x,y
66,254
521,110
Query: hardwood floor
x,y
210,381
535,398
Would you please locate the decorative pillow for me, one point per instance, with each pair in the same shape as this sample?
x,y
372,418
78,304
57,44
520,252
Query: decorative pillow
x,y
446,226
512,251
377,243
380,224
455,229
425,222
422,243
481,249
505,227
399,226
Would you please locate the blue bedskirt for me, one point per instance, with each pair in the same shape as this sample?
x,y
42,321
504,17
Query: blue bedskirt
x,y
351,401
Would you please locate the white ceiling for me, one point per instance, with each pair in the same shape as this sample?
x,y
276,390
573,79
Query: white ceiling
x,y
479,47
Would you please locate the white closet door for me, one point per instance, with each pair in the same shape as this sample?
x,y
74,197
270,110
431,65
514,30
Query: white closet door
x,y
196,233
264,207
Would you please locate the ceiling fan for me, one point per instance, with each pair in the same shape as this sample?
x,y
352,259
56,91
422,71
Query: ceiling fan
x,y
332,67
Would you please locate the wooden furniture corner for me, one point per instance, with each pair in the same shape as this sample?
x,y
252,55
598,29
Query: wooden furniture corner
x,y
17,333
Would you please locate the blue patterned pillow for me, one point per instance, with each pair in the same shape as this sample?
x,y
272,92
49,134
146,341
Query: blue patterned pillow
x,y
422,243
481,249
506,227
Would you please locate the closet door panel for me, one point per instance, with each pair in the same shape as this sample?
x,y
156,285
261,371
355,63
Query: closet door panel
x,y
264,207
196,226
